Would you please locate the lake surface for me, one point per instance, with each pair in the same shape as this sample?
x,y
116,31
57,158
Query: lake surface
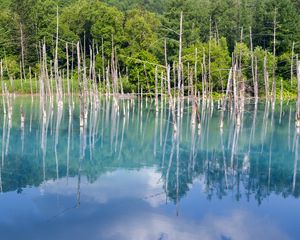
x,y
129,175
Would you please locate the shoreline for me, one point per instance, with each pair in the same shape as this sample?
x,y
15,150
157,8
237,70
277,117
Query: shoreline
x,y
215,97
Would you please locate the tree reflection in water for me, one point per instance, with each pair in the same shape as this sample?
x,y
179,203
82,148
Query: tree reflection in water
x,y
254,159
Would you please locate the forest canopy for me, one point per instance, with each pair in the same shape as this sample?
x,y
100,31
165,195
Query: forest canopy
x,y
139,29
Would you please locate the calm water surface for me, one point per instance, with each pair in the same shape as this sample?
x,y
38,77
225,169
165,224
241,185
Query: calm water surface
x,y
128,175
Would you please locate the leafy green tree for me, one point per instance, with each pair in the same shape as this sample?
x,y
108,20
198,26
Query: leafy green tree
x,y
140,30
33,18
93,21
7,31
195,24
220,61
284,66
141,68
157,6
287,20
260,54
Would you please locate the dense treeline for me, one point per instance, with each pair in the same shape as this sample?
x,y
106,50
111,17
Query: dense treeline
x,y
140,29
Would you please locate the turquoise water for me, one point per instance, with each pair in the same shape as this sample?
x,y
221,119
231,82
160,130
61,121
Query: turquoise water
x,y
128,175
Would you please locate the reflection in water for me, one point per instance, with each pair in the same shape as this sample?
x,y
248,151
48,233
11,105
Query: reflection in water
x,y
253,153
253,160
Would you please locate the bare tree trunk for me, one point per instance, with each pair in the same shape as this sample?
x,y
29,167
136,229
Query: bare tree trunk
x,y
229,83
107,81
113,68
298,96
252,55
274,56
292,63
68,78
236,96
196,71
266,77
161,87
156,90
256,81
56,71
80,86
168,70
103,66
2,86
166,56
30,80
281,91
240,78
23,73
253,71
169,80
204,76
180,55
209,60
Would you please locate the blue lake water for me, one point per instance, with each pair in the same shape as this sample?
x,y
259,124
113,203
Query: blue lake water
x,y
128,175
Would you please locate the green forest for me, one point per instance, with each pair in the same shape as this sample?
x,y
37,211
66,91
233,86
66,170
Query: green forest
x,y
264,34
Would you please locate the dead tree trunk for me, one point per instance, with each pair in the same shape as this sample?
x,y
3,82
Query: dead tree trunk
x,y
81,97
2,86
23,73
204,77
256,80
292,63
298,96
156,89
253,69
180,55
266,77
274,56
68,78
